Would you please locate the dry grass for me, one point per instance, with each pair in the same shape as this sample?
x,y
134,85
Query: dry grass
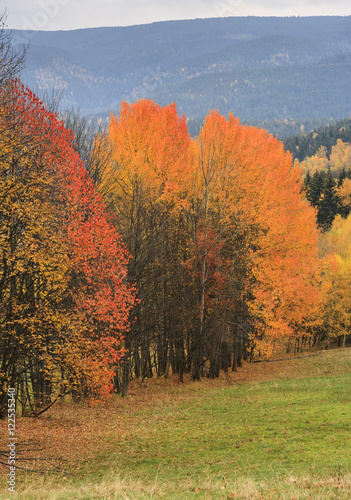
x,y
113,487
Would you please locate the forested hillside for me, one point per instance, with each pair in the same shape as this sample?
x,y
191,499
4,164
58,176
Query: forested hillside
x,y
261,69
307,144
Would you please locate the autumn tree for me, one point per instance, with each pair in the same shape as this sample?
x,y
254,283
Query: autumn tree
x,y
145,186
64,299
344,197
335,249
223,242
337,311
219,240
319,162
340,157
249,193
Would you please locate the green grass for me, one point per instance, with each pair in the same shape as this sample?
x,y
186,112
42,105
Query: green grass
x,y
286,436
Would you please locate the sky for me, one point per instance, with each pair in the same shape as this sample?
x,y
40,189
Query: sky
x,y
74,14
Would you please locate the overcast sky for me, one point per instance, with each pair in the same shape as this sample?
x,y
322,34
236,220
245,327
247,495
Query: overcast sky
x,y
72,14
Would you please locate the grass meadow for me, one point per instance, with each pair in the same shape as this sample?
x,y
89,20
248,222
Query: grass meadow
x,y
276,430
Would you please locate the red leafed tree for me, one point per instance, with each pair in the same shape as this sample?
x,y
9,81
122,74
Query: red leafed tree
x,y
65,302
99,267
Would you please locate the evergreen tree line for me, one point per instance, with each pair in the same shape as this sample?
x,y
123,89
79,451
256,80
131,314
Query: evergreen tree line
x,y
302,146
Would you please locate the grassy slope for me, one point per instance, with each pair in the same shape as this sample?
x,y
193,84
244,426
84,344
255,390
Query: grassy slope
x,y
277,430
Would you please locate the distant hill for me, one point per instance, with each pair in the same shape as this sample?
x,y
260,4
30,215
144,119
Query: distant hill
x,y
271,69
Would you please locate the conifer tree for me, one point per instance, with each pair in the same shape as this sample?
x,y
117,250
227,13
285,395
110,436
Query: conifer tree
x,y
329,202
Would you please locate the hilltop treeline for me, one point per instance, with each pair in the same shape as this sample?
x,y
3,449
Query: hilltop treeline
x,y
303,145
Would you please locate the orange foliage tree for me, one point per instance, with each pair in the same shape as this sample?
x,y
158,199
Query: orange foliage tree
x,y
145,186
248,191
335,248
224,244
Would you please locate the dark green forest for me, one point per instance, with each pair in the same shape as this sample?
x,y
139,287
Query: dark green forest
x,y
303,145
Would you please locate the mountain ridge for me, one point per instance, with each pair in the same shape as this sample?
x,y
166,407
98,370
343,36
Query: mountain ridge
x,y
224,63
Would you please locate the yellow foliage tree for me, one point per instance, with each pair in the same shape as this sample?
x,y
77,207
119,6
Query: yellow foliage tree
x,y
335,248
340,157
